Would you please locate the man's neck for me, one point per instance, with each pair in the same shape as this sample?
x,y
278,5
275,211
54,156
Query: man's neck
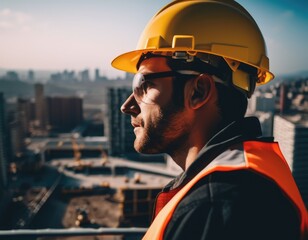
x,y
187,153
185,156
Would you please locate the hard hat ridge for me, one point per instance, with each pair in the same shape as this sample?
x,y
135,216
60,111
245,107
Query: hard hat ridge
x,y
223,28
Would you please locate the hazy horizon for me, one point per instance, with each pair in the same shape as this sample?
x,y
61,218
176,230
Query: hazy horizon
x,y
54,35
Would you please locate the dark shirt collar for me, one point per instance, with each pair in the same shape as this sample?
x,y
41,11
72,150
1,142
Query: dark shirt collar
x,y
236,132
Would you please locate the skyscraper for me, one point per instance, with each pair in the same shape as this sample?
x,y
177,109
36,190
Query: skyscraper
x,y
25,114
291,131
266,120
3,144
97,76
263,106
118,125
17,137
264,102
40,106
64,113
284,101
31,75
85,77
12,75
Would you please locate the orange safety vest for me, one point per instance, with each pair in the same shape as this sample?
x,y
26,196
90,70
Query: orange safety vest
x,y
255,153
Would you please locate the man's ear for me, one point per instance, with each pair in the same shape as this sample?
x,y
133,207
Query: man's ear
x,y
201,91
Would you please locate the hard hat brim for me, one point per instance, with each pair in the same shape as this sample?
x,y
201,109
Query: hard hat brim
x,y
128,62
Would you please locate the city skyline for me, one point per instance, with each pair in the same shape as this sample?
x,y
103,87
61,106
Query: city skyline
x,y
89,34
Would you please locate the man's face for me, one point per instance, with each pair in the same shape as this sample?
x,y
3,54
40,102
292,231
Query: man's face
x,y
158,124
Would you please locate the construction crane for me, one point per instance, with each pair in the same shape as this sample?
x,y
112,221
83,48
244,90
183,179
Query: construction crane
x,y
104,157
77,152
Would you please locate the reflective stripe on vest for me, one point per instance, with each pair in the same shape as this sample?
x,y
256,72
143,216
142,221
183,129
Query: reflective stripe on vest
x,y
261,157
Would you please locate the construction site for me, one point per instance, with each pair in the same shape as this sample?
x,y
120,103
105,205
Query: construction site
x,y
86,189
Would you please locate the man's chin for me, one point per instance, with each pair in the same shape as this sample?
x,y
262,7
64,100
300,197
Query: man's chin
x,y
145,148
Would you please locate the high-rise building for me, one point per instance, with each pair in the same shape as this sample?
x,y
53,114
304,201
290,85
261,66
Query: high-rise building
x,y
263,106
12,75
17,137
3,145
129,76
25,109
85,77
31,75
64,113
284,101
40,106
266,122
262,102
97,76
118,125
291,131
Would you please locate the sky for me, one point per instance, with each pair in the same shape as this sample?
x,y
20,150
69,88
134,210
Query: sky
x,y
88,34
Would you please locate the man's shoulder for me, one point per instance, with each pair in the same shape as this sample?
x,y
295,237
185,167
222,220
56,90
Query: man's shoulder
x,y
242,188
231,205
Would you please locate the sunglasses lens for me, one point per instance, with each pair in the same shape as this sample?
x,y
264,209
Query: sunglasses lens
x,y
137,81
141,83
137,86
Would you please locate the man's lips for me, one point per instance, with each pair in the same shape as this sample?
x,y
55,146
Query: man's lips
x,y
135,124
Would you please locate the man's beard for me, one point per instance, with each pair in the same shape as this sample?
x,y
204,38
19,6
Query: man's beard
x,y
166,134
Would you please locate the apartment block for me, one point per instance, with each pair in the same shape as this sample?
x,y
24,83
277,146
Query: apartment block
x,y
291,132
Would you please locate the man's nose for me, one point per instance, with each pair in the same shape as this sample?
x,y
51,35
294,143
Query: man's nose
x,y
130,106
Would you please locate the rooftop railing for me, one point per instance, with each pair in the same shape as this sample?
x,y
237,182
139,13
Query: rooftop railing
x,y
32,234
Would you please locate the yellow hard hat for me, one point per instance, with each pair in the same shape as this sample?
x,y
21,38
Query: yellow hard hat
x,y
216,27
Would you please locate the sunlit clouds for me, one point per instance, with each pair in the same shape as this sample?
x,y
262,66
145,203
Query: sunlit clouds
x,y
14,20
89,34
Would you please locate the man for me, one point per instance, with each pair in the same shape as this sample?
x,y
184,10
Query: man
x,y
196,64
